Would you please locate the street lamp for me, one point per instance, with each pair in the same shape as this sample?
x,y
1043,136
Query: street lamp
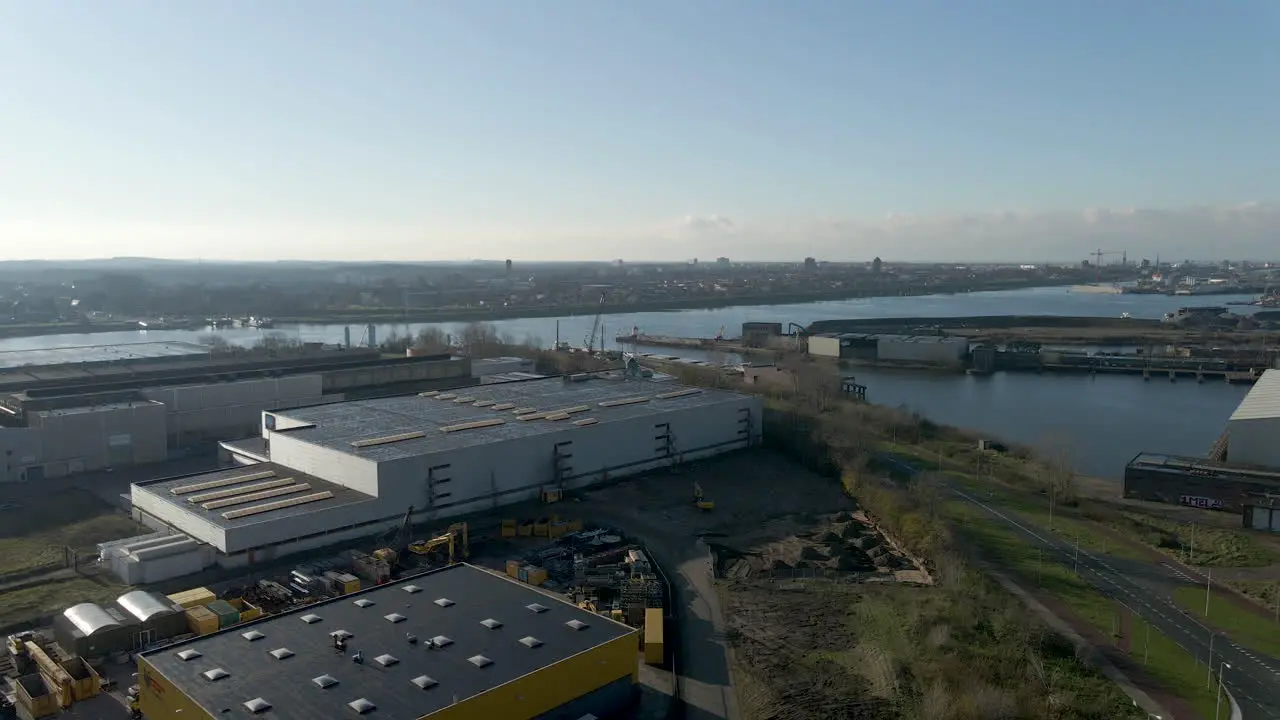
x,y
1218,707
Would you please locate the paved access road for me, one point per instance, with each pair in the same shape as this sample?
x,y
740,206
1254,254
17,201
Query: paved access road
x,y
1146,588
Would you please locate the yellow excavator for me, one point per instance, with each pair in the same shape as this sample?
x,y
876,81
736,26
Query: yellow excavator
x,y
699,499
456,539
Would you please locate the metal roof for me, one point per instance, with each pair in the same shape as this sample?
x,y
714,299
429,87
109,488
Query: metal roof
x,y
89,618
402,679
338,425
1263,400
340,494
145,605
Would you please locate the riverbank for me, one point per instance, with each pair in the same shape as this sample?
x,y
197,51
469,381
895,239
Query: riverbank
x,y
457,315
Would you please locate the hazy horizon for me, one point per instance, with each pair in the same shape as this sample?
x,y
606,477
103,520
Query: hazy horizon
x,y
985,131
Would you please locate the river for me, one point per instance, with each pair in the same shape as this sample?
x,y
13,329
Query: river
x,y
1102,421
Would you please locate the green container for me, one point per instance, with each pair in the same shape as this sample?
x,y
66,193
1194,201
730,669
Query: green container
x,y
227,615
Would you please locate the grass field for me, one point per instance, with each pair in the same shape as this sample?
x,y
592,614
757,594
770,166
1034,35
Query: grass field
x,y
1167,663
1245,627
34,532
50,597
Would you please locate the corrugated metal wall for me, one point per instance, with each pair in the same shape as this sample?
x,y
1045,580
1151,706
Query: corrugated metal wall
x,y
1254,442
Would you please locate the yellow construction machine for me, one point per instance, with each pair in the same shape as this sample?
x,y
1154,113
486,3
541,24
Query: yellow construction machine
x,y
551,495
456,539
699,499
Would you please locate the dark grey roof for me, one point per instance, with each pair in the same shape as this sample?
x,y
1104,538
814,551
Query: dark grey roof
x,y
337,425
415,680
342,495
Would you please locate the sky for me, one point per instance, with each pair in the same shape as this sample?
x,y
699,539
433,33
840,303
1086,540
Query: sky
x,y
1002,130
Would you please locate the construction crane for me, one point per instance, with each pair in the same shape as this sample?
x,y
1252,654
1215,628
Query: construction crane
x,y
399,541
456,539
1098,254
595,327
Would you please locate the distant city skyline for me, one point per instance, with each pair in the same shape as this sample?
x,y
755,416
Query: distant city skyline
x,y
988,130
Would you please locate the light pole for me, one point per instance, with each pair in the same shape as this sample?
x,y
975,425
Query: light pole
x,y
1208,582
1217,708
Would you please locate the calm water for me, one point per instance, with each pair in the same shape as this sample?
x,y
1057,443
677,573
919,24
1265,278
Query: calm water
x,y
1102,421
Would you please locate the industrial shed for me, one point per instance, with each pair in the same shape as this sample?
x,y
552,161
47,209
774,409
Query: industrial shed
x,y
134,621
1253,430
348,470
455,643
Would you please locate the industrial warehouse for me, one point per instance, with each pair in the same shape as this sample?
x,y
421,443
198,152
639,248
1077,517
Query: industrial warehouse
x,y
328,473
459,642
72,410
914,349
1243,470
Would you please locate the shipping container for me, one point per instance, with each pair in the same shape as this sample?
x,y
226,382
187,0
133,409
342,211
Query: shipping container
x,y
227,614
85,681
537,576
35,694
525,529
193,597
508,528
201,620
541,526
523,575
653,636
513,569
348,583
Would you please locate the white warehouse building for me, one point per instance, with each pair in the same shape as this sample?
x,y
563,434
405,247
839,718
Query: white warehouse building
x,y
334,472
1253,430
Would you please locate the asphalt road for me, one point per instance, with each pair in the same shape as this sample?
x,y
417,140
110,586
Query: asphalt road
x,y
1147,590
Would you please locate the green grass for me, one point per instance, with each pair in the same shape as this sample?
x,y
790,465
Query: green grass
x,y
34,533
48,598
1168,664
1214,547
1244,626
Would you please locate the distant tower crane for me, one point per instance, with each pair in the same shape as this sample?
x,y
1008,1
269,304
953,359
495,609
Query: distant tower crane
x,y
1098,254
596,329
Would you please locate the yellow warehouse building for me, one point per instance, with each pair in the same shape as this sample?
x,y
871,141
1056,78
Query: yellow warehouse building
x,y
451,644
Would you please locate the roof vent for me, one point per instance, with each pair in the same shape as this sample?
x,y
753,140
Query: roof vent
x,y
257,705
362,602
252,635
215,674
424,682
362,706
530,641
341,634
479,661
491,623
577,625
442,641
535,607
186,655
395,618
444,602
325,681
311,618
281,653
411,589
386,660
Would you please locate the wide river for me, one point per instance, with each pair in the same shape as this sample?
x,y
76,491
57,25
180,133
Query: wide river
x,y
1102,421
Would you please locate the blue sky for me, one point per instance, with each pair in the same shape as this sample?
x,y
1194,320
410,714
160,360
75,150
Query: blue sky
x,y
982,129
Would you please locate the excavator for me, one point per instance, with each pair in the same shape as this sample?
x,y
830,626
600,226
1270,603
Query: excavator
x,y
456,539
699,499
398,542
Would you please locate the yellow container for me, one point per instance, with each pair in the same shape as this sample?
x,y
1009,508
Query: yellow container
x,y
558,529
36,693
508,528
526,529
201,620
348,583
513,569
541,526
537,576
193,597
653,632
575,525
85,681
249,611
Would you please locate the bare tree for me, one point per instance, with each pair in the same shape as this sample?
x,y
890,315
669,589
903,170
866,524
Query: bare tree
x,y
432,340
278,341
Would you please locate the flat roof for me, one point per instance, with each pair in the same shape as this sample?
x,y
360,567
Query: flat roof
x,y
341,495
289,684
124,352
1263,400
337,425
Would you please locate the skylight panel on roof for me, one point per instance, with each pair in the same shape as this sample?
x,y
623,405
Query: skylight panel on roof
x,y
429,393
535,607
483,403
556,416
395,618
523,411
424,682
188,655
678,393
281,653
198,487
231,492
277,505
311,618
479,661
325,681
362,706
386,660
362,602
401,437
411,589
446,396
257,705
530,642
252,635
576,624
585,421
464,399
253,497
215,674
443,602
441,641
474,425
491,623
503,406
623,401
